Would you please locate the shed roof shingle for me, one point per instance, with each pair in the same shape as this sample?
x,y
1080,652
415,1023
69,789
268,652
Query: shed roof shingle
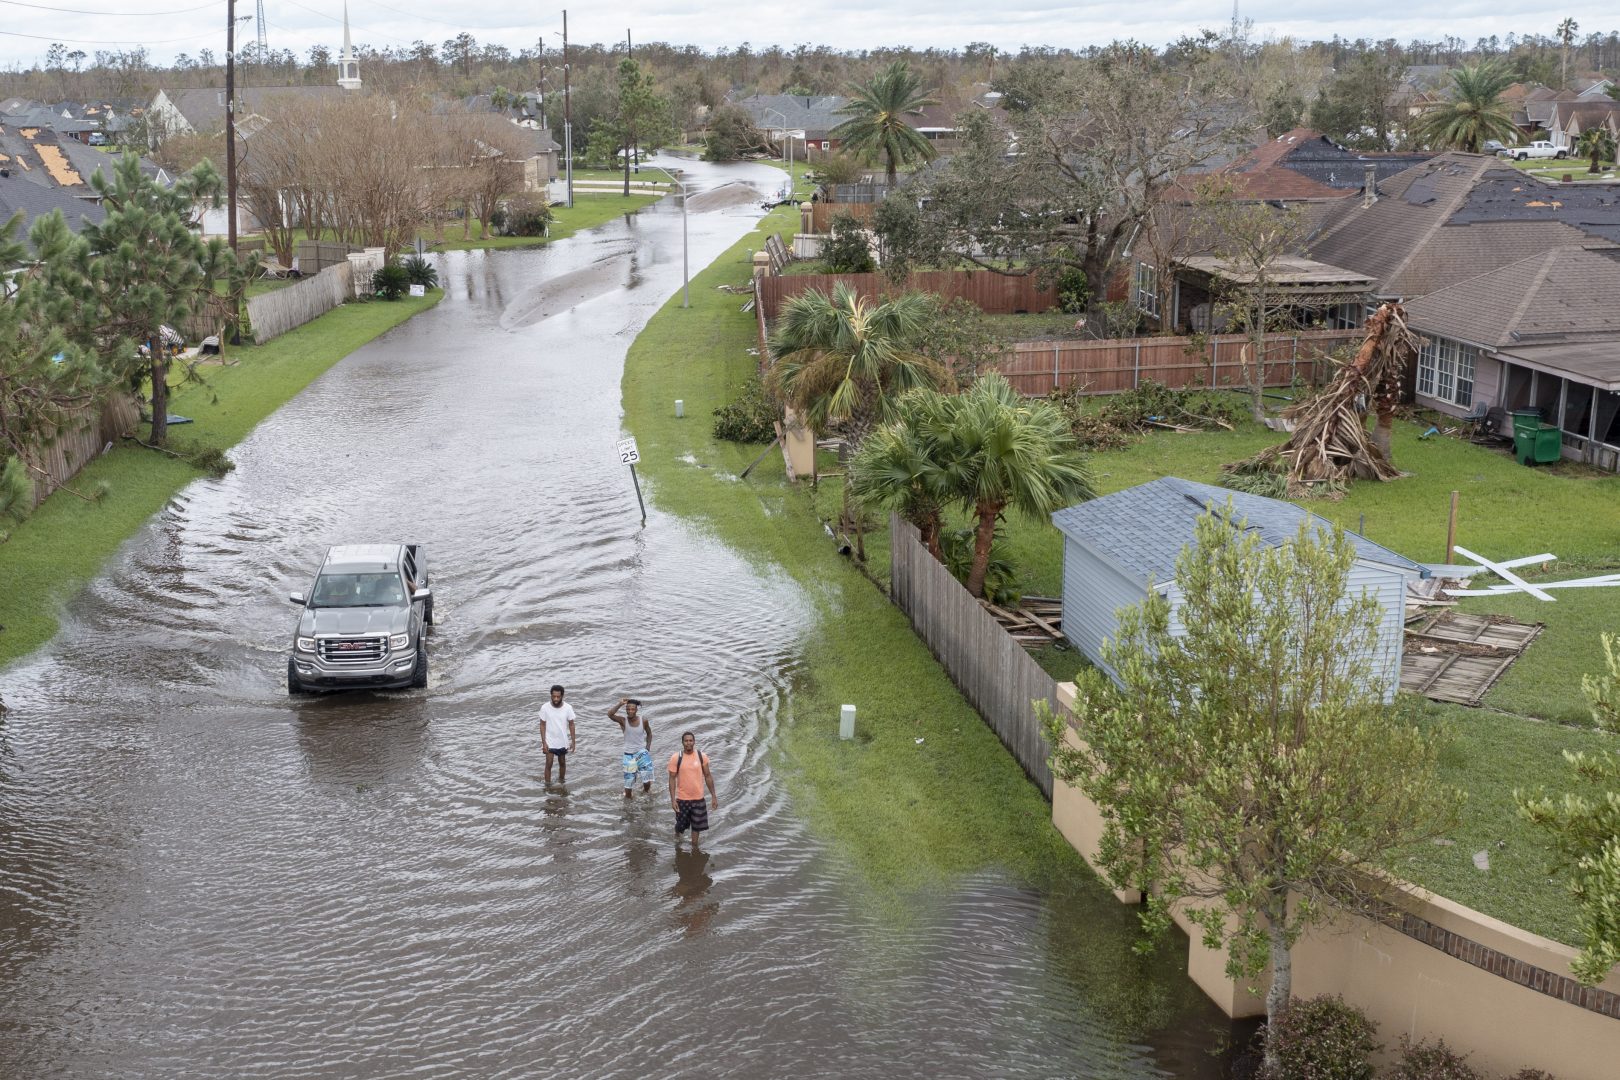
x,y
1144,529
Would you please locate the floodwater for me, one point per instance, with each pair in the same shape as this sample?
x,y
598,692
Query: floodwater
x,y
200,877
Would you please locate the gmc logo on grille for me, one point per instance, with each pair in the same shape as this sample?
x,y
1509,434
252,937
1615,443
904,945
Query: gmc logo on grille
x,y
351,646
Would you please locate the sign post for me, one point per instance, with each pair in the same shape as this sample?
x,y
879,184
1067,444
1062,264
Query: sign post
x,y
629,455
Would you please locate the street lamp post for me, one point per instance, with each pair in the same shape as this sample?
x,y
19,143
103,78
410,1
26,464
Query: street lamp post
x,y
783,129
686,282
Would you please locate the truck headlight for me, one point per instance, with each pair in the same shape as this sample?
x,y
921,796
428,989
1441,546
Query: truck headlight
x,y
306,644
399,641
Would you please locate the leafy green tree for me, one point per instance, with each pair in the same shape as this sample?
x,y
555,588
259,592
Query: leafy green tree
x,y
1585,828
46,381
640,118
877,119
1245,762
846,251
1354,106
1283,111
141,268
1008,452
845,359
1597,145
732,133
1475,113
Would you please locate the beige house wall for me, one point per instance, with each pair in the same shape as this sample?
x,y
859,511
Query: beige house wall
x,y
1466,987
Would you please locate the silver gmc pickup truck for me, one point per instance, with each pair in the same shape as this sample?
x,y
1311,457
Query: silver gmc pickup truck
x,y
363,620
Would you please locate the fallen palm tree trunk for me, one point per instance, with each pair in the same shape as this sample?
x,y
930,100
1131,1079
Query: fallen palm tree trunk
x,y
1330,444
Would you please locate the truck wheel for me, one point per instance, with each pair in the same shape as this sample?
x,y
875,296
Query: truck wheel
x,y
294,687
419,672
1524,157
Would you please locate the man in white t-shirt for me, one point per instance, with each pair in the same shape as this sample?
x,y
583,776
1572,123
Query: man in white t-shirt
x,y
557,733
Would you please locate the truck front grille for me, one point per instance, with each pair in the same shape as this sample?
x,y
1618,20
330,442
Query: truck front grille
x,y
352,650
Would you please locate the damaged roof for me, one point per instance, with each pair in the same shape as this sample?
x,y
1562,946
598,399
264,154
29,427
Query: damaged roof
x,y
1457,216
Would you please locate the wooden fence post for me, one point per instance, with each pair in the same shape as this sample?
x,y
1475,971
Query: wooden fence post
x,y
1055,383
1136,372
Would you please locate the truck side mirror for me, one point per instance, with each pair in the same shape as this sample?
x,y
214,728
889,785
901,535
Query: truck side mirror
x,y
422,594
296,598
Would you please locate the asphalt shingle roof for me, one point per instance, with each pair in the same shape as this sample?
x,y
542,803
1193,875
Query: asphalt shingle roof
x,y
1144,529
35,201
1458,216
1563,294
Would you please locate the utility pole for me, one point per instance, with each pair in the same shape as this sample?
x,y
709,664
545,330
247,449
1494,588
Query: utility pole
x,y
632,148
568,115
230,121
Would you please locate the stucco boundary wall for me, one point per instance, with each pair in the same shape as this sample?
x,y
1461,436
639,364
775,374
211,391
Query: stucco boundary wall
x,y
1438,970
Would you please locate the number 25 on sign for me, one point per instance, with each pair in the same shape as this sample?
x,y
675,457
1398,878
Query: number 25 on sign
x,y
629,455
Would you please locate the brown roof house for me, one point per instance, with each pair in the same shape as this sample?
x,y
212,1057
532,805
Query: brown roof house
x,y
1541,333
1571,119
1459,216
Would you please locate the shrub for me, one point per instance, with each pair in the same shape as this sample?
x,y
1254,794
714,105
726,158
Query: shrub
x,y
1532,1074
750,418
838,169
525,215
1420,1061
421,272
846,251
1073,292
390,282
1321,1038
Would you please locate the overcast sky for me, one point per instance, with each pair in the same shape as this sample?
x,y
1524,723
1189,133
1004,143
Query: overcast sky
x,y
169,27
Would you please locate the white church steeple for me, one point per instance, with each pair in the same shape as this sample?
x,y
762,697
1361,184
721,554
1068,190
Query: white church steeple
x,y
348,66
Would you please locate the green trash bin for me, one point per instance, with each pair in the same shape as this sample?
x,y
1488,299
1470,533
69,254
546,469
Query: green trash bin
x,y
1535,443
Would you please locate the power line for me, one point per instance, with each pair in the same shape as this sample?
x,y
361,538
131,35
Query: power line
x,y
88,41
116,14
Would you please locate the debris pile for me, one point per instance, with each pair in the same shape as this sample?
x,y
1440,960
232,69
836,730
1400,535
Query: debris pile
x,y
1330,444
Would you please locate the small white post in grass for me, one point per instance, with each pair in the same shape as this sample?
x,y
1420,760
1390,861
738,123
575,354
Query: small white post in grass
x,y
680,408
846,722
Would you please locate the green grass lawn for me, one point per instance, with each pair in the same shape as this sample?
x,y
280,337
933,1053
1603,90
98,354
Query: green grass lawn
x,y
53,553
590,209
904,811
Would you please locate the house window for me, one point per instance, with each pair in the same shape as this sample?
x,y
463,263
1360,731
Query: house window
x,y
1446,372
1146,290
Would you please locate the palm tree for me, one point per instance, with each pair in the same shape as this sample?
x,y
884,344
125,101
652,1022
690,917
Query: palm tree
x,y
1566,34
1475,112
906,467
1011,453
877,119
844,358
1598,144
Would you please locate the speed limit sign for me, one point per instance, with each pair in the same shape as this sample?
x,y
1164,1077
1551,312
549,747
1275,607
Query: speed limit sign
x,y
628,454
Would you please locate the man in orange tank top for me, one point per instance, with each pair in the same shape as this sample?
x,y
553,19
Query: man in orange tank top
x,y
688,776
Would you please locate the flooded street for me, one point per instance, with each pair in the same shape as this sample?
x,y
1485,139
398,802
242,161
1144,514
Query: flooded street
x,y
201,877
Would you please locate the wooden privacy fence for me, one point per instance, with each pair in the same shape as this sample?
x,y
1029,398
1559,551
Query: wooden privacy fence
x,y
272,314
315,256
992,670
80,442
822,214
992,293
1036,368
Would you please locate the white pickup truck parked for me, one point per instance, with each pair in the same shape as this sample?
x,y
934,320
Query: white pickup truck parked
x,y
1538,149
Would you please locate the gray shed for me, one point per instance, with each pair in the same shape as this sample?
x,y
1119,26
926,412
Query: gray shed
x,y
1116,547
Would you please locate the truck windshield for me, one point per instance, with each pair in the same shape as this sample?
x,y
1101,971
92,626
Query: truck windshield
x,y
357,590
